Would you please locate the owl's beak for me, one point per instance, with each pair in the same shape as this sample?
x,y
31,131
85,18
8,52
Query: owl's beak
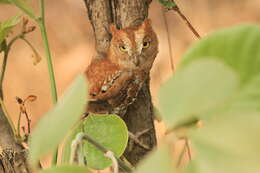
x,y
136,60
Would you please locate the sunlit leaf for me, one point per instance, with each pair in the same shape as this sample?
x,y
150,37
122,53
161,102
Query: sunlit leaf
x,y
227,143
25,6
239,49
53,127
6,27
195,90
66,169
158,161
110,131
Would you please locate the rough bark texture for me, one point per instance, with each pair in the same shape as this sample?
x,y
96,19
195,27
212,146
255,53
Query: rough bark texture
x,y
125,13
13,158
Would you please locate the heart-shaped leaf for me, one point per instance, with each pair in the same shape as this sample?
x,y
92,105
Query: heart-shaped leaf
x,y
110,131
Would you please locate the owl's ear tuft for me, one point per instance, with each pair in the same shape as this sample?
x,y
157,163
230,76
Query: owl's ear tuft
x,y
112,28
146,23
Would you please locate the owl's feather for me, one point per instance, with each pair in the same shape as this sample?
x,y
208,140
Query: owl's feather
x,y
118,78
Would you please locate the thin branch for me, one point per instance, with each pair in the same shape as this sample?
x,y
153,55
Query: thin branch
x,y
193,30
6,53
180,158
28,122
111,155
169,40
82,136
188,148
19,125
184,18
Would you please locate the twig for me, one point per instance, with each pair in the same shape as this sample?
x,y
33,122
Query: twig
x,y
181,156
82,136
188,148
177,9
185,147
169,40
6,53
23,110
28,122
19,124
135,139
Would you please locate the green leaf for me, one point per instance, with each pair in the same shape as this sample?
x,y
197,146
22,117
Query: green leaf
x,y
158,161
239,49
6,27
108,130
53,127
4,1
25,6
167,3
228,143
196,90
66,169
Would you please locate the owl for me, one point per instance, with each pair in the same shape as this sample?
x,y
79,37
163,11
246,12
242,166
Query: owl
x,y
116,79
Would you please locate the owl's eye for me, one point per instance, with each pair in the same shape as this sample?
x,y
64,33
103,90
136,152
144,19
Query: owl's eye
x,y
123,48
146,44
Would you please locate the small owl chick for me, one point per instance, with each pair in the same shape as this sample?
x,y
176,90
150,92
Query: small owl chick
x,y
117,78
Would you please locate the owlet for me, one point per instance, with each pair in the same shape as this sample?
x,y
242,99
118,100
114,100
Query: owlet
x,y
117,78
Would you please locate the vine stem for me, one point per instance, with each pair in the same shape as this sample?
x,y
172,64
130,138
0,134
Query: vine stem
x,y
41,23
82,136
6,53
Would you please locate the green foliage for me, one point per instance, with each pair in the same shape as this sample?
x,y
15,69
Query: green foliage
x,y
218,82
7,26
54,126
5,1
167,3
239,49
230,143
158,161
196,90
23,5
66,169
108,130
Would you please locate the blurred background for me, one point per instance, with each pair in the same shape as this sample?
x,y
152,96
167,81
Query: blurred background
x,y
72,45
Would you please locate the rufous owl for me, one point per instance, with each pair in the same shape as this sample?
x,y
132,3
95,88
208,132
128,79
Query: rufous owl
x,y
117,78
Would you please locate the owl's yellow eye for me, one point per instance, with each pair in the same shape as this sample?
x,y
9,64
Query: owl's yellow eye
x,y
123,48
146,44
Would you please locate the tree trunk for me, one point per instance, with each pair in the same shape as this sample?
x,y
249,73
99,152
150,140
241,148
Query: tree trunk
x,y
13,157
125,13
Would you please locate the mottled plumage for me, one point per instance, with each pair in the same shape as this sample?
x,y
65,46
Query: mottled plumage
x,y
117,78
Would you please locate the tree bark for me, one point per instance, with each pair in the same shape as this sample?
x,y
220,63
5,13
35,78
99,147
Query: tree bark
x,y
13,157
125,13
